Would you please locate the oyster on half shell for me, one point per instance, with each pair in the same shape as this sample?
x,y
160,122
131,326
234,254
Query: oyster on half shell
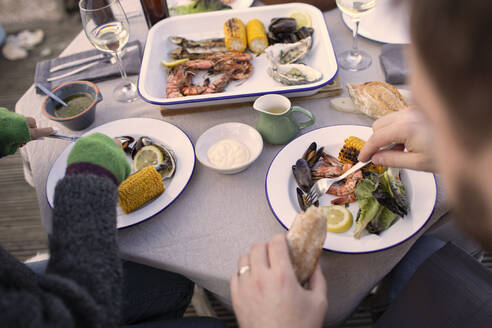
x,y
294,74
287,53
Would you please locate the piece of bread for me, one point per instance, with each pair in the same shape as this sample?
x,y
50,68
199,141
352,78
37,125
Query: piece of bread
x,y
305,240
376,99
344,104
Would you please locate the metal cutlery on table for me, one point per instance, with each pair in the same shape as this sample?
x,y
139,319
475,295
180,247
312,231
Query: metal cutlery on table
x,y
321,186
64,137
92,61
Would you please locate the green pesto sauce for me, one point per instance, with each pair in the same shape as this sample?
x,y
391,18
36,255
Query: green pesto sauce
x,y
77,103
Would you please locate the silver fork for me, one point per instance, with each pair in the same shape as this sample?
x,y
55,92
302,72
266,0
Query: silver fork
x,y
322,185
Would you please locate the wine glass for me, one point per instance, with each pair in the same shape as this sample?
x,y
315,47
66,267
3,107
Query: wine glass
x,y
106,26
355,59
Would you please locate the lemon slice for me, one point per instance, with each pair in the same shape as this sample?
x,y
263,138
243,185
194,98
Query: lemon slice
x,y
339,219
146,156
174,62
302,18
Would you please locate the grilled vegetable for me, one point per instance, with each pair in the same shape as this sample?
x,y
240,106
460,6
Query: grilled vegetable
x,y
140,188
257,39
350,151
235,35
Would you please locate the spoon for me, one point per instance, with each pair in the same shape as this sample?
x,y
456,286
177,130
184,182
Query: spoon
x,y
51,95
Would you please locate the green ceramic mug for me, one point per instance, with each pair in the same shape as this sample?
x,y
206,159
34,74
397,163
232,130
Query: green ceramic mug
x,y
276,123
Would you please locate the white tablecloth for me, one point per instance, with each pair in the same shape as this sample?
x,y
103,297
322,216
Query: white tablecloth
x,y
218,217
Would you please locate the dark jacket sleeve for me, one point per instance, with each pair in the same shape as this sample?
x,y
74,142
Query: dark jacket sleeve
x,y
82,284
450,289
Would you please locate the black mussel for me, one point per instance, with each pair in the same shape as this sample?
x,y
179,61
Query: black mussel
x,y
142,141
284,37
316,157
302,174
126,142
304,32
310,151
283,24
301,199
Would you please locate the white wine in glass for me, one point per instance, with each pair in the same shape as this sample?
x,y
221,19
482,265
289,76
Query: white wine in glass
x,y
106,26
355,59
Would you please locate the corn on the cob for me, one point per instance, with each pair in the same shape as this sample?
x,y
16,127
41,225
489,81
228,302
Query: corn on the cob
x,y
139,188
350,151
257,38
235,35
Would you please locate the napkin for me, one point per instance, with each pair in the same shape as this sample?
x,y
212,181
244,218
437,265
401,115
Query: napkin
x,y
104,70
394,67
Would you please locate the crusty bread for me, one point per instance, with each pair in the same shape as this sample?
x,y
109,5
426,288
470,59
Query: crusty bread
x,y
376,99
344,104
305,239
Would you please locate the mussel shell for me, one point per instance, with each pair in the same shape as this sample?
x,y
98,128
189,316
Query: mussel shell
x,y
304,32
310,151
283,24
126,142
142,141
168,166
302,174
301,199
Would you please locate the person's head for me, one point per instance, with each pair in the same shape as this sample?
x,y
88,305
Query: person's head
x,y
451,81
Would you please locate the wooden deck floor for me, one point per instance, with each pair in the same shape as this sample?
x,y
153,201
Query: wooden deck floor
x,y
21,232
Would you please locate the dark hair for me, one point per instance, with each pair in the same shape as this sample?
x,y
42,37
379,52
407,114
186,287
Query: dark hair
x,y
453,41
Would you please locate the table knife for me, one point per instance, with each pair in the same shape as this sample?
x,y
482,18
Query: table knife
x,y
77,62
75,71
81,61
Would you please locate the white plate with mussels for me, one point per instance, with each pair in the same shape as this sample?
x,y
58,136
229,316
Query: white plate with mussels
x,y
161,133
152,79
280,186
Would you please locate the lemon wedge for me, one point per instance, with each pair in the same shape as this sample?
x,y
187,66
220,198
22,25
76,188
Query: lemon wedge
x,y
146,156
302,18
174,62
339,219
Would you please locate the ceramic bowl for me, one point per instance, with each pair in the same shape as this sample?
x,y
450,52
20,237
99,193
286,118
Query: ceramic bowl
x,y
85,118
238,131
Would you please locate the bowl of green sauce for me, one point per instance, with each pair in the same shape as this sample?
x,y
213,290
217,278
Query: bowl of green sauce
x,y
81,98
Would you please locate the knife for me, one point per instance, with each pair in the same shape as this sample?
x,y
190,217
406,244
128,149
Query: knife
x,y
77,62
75,71
86,60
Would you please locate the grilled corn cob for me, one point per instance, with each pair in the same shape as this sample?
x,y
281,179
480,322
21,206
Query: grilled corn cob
x,y
235,35
350,151
139,188
257,38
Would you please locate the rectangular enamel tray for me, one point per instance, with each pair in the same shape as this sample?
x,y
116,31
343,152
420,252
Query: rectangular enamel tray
x,y
152,78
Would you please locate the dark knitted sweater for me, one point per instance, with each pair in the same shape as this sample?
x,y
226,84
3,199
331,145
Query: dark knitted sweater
x,y
82,284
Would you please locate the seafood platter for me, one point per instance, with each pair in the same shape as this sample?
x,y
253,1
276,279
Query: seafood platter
x,y
149,144
373,209
236,56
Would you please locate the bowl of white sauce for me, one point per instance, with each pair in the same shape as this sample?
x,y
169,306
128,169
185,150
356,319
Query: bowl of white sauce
x,y
229,148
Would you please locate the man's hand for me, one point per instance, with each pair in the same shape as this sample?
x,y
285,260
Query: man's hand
x,y
269,295
406,127
36,132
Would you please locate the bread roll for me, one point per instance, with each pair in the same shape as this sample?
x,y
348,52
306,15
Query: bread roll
x,y
305,240
376,99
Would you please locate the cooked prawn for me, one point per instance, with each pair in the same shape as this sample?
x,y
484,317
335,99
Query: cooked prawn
x,y
346,186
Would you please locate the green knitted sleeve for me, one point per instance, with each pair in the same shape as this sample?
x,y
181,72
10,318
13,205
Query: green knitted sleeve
x,y
101,150
13,132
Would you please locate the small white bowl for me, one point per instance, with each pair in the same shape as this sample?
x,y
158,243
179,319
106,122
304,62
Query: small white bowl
x,y
238,131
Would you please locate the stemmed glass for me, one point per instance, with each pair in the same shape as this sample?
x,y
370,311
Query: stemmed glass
x,y
355,59
106,26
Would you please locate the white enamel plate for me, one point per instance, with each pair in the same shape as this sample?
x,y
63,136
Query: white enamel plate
x,y
281,193
152,79
161,132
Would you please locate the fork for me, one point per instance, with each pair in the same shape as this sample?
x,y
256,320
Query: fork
x,y
322,185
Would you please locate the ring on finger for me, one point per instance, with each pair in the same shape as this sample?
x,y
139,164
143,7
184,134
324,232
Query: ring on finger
x,y
242,270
